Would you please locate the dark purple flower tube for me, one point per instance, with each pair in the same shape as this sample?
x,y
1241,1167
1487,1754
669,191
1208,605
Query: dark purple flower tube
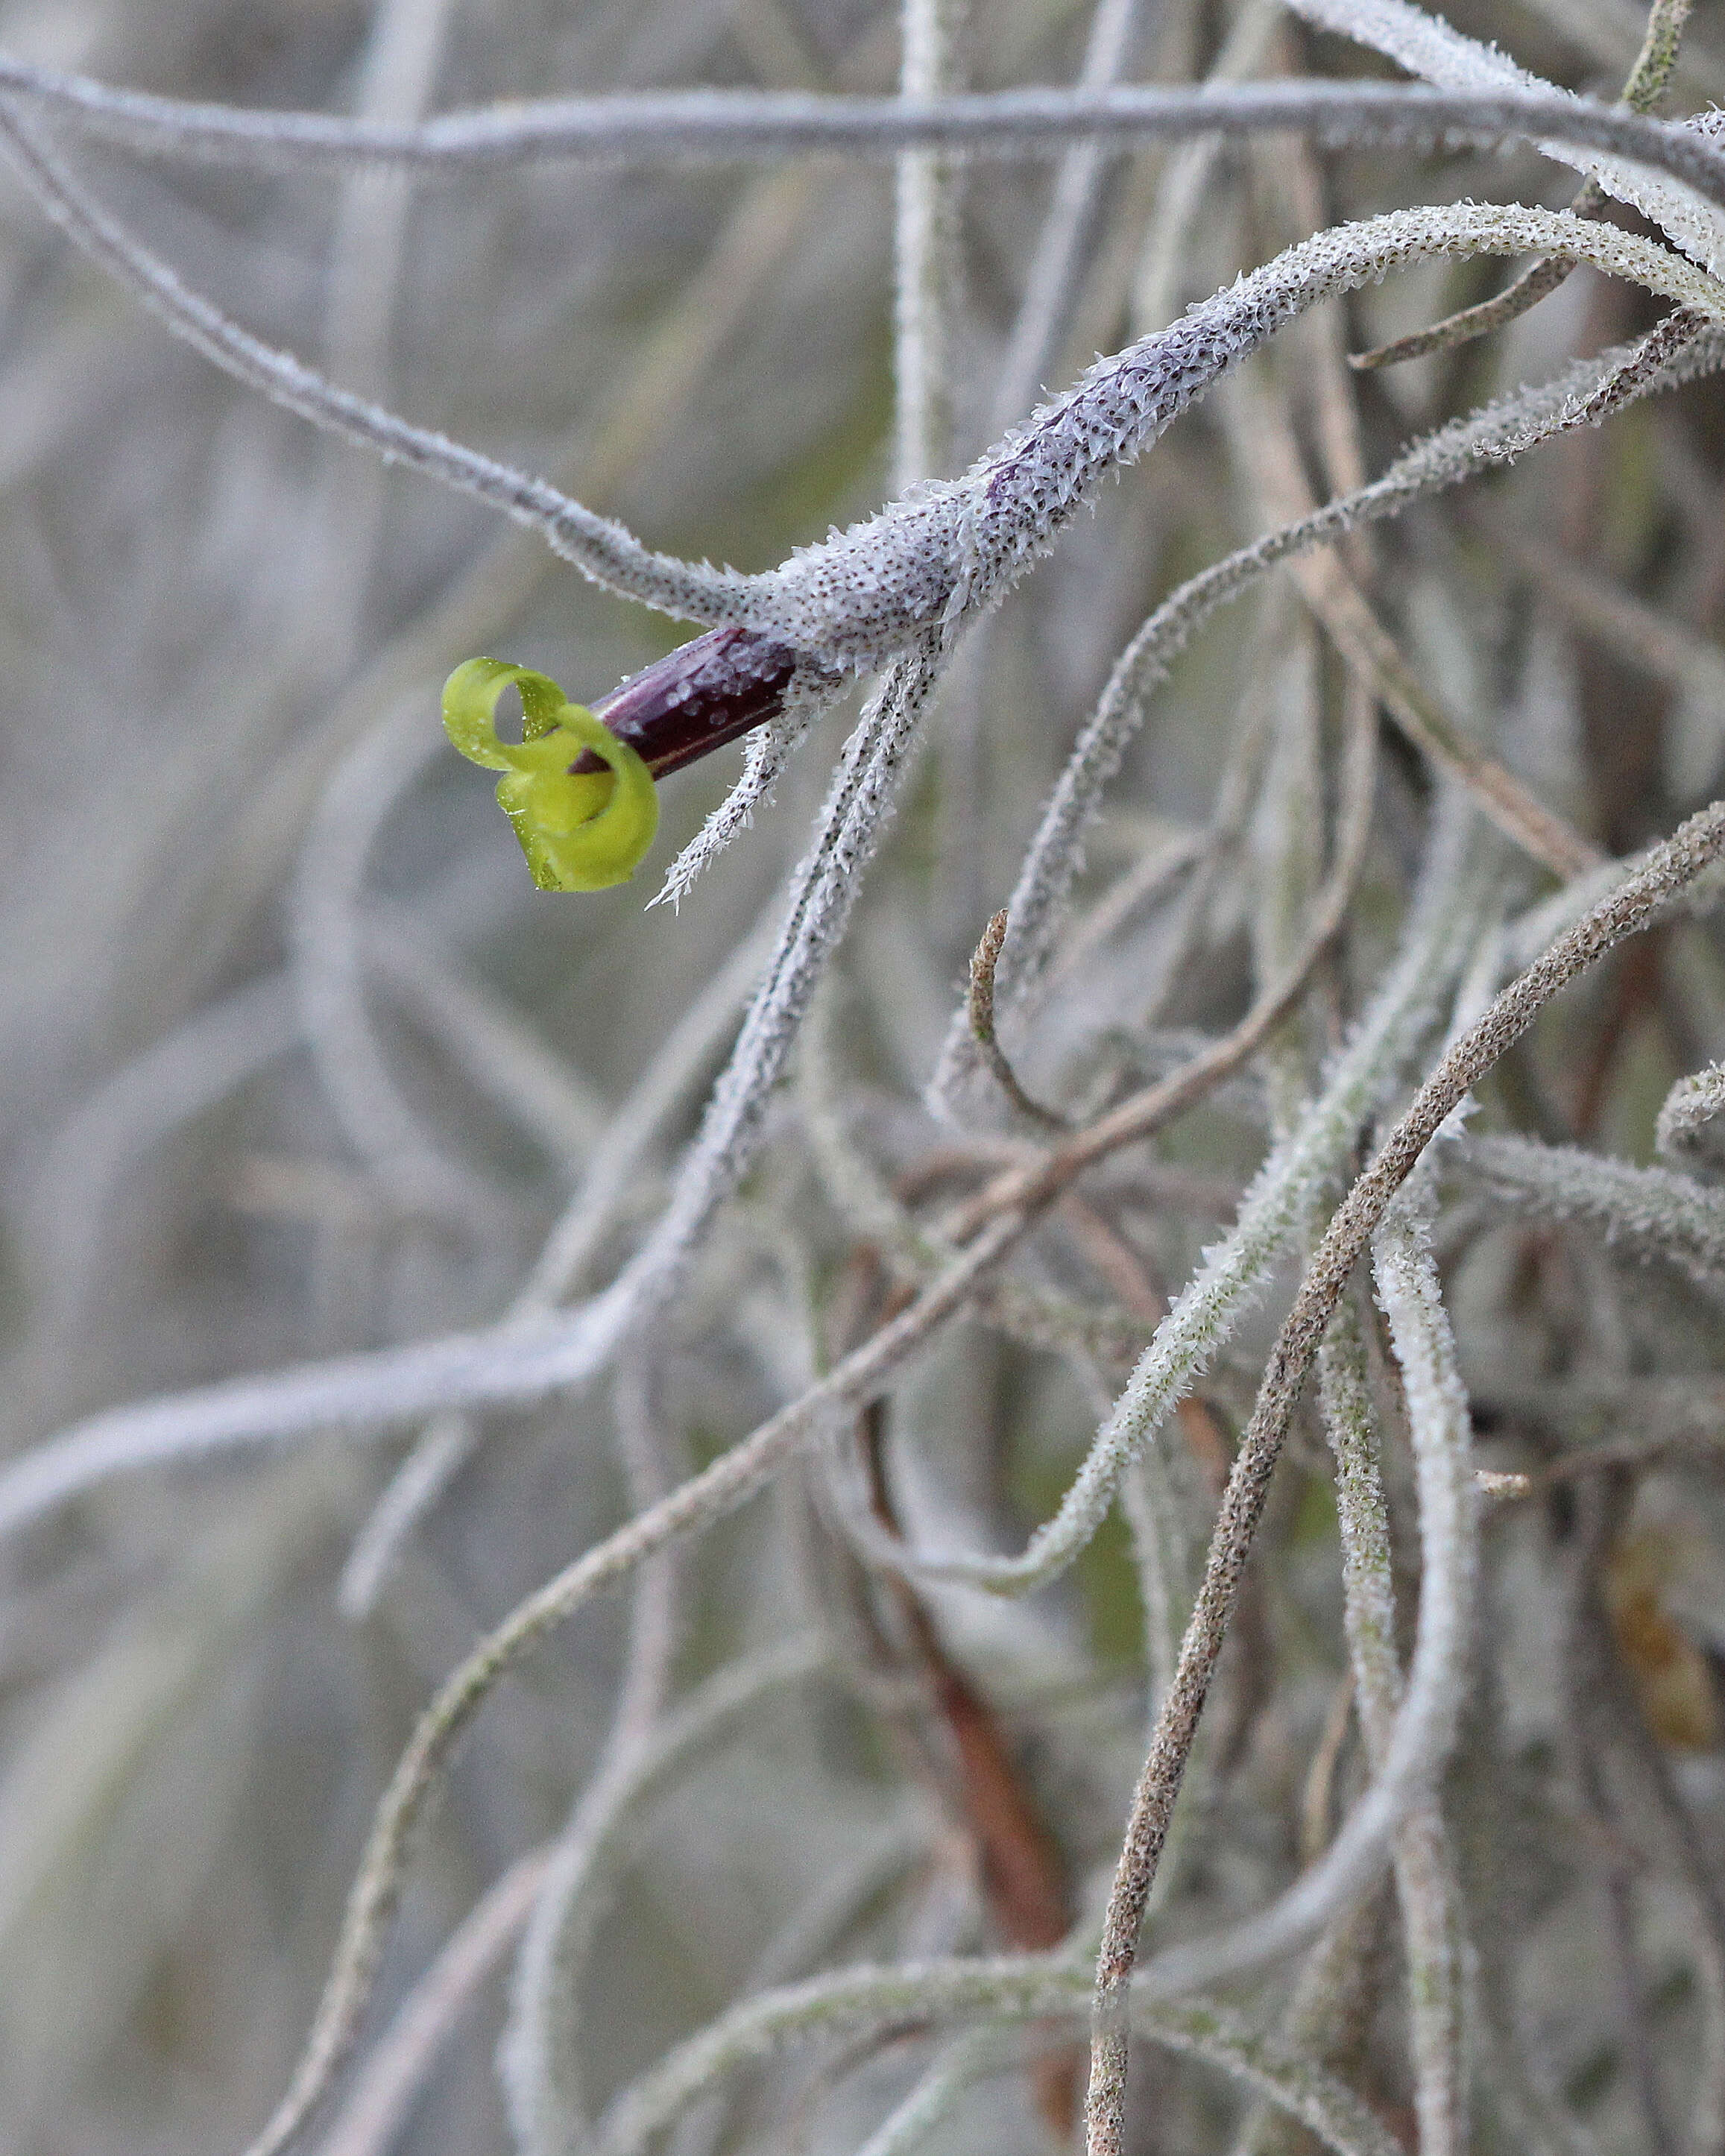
x,y
696,698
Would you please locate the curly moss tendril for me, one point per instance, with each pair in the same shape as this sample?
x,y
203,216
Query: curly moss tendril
x,y
581,829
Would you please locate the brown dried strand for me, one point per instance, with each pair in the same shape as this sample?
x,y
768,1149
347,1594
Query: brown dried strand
x,y
1019,1864
1021,1868
983,960
1621,913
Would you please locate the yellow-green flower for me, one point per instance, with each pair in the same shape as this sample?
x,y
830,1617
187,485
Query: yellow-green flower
x,y
580,831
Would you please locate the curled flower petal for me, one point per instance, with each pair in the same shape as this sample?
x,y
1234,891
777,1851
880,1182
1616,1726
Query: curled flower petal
x,y
582,829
